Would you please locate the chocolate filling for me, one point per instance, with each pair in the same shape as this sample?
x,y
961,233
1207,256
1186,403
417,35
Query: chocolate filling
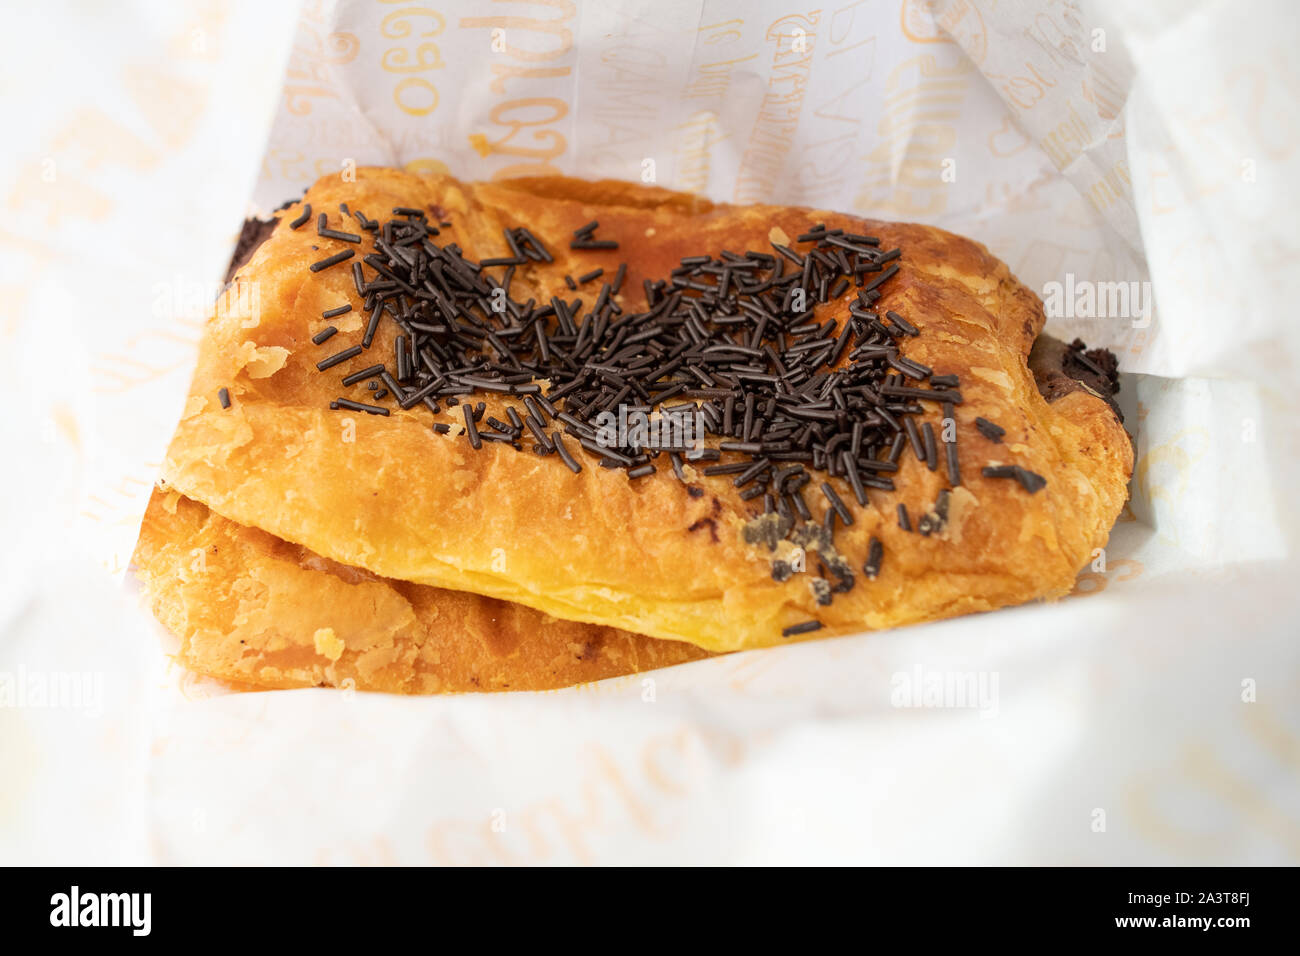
x,y
1060,369
251,236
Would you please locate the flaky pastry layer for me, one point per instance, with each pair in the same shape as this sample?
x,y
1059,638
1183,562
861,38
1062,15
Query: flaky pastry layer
x,y
255,610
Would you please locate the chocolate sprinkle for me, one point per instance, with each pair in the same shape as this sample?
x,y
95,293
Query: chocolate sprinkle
x,y
471,429
582,238
990,431
361,376
904,521
837,504
223,395
567,458
359,407
1029,480
333,260
733,339
875,554
339,357
807,627
335,234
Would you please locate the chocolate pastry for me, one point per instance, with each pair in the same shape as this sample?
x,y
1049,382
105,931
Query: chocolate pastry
x,y
638,410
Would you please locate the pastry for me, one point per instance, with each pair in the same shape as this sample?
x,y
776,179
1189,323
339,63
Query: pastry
x,y
259,612
725,426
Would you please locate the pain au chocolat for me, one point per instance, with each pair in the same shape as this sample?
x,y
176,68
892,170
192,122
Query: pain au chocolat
x,y
724,426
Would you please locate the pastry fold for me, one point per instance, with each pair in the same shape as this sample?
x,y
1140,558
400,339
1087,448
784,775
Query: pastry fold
x,y
657,555
257,611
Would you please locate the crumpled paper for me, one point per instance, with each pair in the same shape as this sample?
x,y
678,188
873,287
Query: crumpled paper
x,y
1131,165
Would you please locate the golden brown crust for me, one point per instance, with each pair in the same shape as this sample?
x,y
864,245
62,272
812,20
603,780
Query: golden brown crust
x,y
389,495
253,609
